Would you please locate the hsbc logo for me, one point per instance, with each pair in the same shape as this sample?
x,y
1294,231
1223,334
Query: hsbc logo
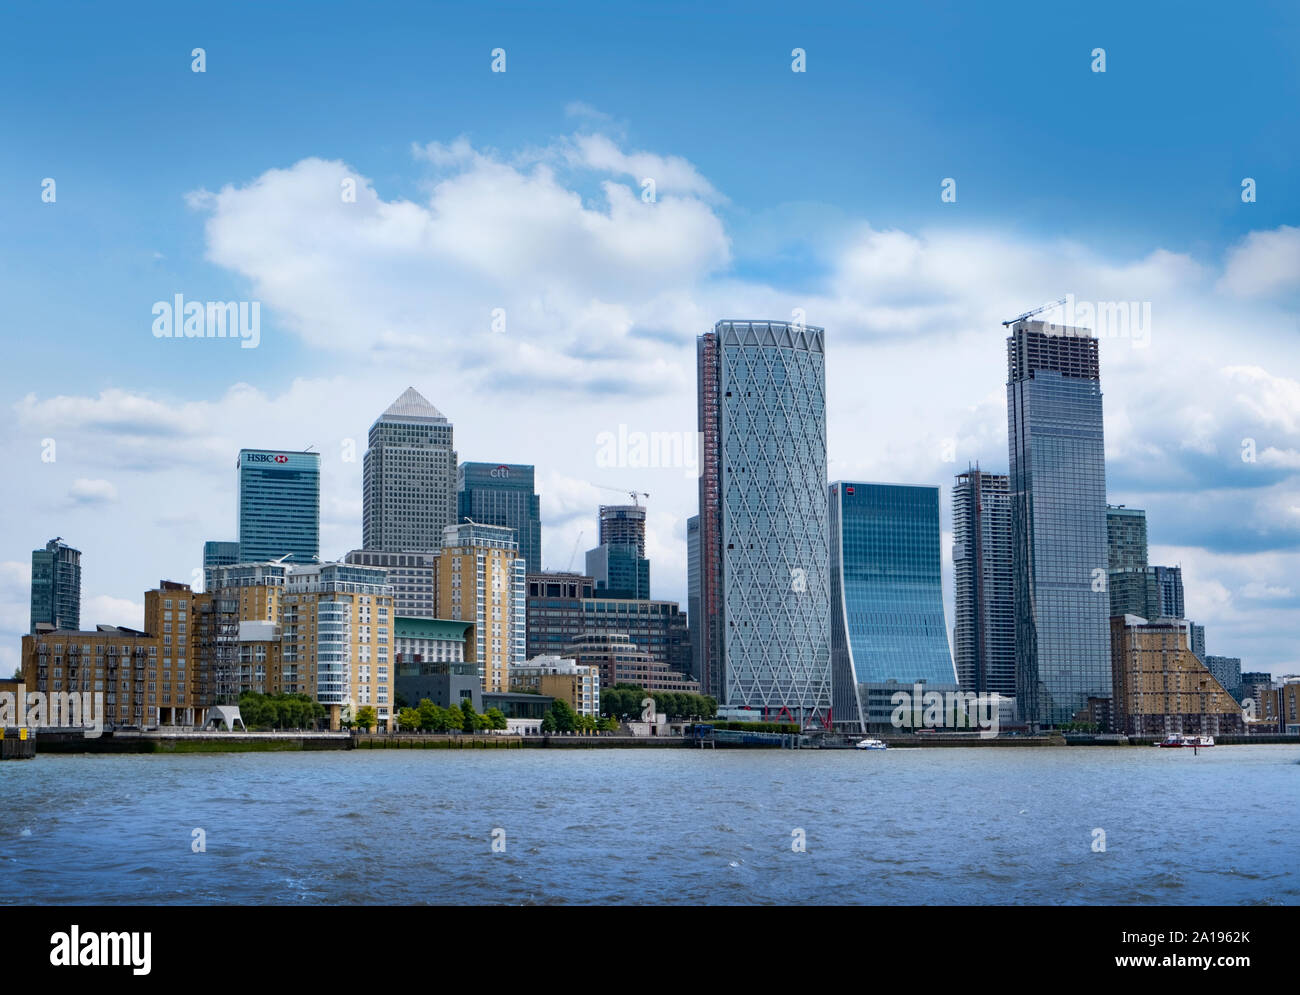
x,y
265,458
280,458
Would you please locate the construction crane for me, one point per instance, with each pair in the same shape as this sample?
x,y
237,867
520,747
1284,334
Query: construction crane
x,y
1037,310
574,555
632,494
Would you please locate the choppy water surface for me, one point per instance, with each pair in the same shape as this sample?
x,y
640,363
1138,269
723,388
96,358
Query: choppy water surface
x,y
927,826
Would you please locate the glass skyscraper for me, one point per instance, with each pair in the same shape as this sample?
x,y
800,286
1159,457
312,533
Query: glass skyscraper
x,y
408,478
1058,520
984,631
618,565
56,586
503,494
693,590
764,556
217,553
887,625
279,506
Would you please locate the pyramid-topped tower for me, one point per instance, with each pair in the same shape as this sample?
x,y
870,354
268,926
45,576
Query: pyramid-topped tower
x,y
408,477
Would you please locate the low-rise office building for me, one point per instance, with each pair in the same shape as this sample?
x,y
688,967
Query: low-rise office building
x,y
557,677
621,661
431,662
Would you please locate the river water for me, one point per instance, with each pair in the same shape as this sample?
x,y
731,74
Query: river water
x,y
921,826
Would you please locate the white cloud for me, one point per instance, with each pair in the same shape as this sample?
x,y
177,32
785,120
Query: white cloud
x,y
1263,263
603,296
103,609
92,491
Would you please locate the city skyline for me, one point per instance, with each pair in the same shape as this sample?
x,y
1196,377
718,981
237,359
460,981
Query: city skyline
x,y
602,295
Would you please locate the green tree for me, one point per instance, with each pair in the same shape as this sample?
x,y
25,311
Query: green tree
x,y
470,718
548,721
366,718
430,716
497,719
566,719
409,719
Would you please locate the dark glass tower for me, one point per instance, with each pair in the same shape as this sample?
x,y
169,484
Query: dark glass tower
x,y
693,590
1058,520
619,565
56,586
984,634
279,505
764,569
503,494
887,626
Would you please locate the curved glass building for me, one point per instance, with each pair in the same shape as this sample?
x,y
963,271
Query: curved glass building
x,y
888,631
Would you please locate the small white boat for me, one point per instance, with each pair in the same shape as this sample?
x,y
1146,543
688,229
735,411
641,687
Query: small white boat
x,y
1178,739
872,744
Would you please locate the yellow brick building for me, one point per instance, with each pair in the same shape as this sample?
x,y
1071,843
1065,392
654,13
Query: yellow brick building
x,y
148,677
480,579
1161,687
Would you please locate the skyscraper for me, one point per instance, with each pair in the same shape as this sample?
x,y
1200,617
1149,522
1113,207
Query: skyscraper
x,y
279,505
693,590
764,556
1058,519
618,565
408,477
1169,585
887,626
1129,579
217,553
56,586
623,524
984,633
503,494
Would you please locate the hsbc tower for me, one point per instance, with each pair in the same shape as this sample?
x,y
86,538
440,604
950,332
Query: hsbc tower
x,y
279,505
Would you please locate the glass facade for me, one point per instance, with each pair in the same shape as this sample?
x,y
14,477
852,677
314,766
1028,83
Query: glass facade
x,y
764,546
984,632
56,586
618,572
887,624
279,506
693,590
217,553
1059,527
503,494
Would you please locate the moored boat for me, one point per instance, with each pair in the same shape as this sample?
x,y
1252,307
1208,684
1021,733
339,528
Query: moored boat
x,y
871,744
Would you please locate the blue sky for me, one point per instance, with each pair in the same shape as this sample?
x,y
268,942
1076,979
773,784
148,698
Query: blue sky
x,y
776,190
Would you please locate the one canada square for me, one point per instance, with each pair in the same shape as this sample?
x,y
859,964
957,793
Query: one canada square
x,y
1058,521
764,583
